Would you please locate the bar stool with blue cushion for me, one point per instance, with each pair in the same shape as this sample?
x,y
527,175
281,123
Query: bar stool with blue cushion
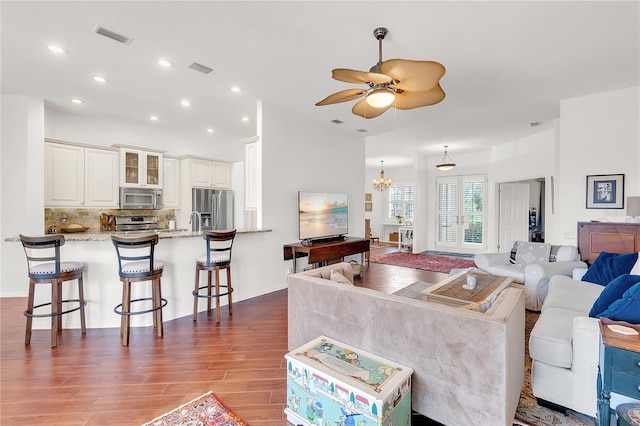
x,y
217,257
45,267
136,263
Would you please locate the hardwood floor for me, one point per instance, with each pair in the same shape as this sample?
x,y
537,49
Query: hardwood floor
x,y
93,380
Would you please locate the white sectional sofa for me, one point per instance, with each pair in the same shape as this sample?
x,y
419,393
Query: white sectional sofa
x,y
535,276
469,366
564,345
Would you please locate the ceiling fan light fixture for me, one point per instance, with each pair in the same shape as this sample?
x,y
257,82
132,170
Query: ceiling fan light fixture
x,y
446,163
380,98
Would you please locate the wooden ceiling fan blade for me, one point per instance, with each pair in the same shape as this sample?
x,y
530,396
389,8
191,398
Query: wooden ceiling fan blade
x,y
413,76
355,76
363,109
410,100
342,96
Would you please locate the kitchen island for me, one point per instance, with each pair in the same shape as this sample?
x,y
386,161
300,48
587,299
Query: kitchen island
x,y
178,251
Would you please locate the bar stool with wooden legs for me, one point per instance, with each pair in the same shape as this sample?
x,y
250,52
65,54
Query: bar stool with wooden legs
x,y
45,267
217,257
136,263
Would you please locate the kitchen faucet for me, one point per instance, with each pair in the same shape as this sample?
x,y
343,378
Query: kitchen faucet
x,y
199,216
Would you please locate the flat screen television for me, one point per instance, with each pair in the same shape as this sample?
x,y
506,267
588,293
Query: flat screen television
x,y
322,215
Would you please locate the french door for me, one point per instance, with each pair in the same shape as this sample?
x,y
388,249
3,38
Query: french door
x,y
460,215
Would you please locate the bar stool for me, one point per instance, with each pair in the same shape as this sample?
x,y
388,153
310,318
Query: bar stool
x,y
136,264
217,257
45,267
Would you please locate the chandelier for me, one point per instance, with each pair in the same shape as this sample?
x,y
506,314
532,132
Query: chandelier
x,y
382,184
447,163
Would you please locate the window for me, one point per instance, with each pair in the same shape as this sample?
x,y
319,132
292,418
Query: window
x,y
401,201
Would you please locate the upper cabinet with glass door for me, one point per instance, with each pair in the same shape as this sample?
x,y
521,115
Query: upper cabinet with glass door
x,y
141,168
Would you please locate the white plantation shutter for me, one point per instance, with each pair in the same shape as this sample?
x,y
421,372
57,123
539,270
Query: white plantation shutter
x,y
447,211
401,201
473,211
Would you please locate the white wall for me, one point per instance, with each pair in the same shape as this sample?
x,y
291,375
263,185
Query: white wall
x,y
600,134
22,186
299,154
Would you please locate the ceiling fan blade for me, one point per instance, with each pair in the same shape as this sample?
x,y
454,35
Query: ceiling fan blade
x,y
342,96
413,76
355,76
363,109
410,100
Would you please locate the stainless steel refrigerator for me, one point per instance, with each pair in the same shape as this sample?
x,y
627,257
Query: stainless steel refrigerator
x,y
214,207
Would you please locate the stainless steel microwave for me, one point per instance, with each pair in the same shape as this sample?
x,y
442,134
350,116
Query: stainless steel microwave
x,y
140,198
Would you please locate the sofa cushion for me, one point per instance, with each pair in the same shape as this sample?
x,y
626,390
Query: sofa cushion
x,y
550,339
527,253
567,293
512,271
612,292
627,308
338,277
566,254
608,266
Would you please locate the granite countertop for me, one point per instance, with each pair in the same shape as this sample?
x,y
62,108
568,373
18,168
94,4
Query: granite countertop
x,y
162,234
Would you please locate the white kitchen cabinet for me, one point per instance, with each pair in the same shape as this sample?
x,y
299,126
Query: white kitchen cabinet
x,y
171,182
209,173
79,176
101,182
140,168
64,175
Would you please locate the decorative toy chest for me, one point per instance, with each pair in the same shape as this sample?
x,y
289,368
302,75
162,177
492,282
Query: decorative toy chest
x,y
332,383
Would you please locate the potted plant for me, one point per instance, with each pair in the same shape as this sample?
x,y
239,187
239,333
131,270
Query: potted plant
x,y
399,218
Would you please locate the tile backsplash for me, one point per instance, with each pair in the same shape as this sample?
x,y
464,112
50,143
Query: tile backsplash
x,y
91,217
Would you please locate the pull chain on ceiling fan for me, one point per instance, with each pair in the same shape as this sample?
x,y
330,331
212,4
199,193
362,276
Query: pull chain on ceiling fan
x,y
399,83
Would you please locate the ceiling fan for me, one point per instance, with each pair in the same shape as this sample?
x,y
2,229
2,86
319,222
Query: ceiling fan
x,y
399,83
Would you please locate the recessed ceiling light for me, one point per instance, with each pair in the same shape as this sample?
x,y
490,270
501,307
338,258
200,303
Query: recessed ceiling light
x,y
245,118
99,79
77,101
165,63
153,117
209,130
235,89
185,103
58,50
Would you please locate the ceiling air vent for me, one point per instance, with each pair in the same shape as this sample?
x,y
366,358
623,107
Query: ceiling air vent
x,y
336,121
200,68
362,130
112,35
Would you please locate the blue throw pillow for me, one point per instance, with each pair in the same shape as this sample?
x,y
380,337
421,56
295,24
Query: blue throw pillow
x,y
612,292
608,266
626,308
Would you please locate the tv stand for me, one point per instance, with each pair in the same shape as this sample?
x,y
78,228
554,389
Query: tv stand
x,y
320,252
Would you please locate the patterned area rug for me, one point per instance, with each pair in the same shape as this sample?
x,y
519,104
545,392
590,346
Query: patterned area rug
x,y
205,410
423,261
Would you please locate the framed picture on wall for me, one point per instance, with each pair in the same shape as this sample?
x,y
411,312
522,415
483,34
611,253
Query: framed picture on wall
x,y
368,196
605,191
368,207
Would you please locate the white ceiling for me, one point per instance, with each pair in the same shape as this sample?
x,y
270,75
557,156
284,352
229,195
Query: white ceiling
x,y
508,63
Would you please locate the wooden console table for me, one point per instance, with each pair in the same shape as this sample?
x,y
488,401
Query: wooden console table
x,y
326,250
612,237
